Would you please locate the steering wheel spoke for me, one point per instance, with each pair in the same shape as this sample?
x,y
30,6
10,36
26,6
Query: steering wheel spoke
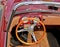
x,y
22,30
34,37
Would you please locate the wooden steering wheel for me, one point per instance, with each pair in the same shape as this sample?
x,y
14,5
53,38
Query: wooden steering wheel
x,y
30,29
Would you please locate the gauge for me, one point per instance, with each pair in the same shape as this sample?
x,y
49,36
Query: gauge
x,y
25,19
36,19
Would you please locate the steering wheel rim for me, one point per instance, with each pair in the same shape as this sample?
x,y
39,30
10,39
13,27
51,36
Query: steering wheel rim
x,y
40,22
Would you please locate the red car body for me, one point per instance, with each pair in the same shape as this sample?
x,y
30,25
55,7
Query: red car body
x,y
7,10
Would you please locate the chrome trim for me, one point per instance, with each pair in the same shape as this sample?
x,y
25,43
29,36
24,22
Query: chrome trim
x,y
36,2
37,10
